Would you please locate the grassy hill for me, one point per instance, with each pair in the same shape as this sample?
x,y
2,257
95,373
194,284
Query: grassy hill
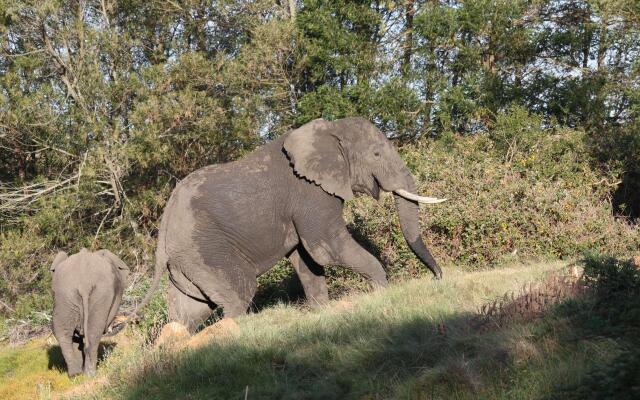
x,y
418,339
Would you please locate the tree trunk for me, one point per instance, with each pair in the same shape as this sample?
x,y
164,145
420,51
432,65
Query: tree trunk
x,y
408,38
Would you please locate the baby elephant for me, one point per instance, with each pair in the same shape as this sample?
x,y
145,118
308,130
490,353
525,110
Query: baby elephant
x,y
87,290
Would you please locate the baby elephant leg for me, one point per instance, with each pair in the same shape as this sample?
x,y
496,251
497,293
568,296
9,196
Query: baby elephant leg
x,y
70,350
94,328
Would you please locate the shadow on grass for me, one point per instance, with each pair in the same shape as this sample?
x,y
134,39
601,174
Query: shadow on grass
x,y
379,353
56,360
348,356
612,315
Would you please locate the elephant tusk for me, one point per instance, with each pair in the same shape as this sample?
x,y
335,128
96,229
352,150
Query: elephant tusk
x,y
419,199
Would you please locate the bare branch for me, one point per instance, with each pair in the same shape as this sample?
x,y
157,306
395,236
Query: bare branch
x,y
19,197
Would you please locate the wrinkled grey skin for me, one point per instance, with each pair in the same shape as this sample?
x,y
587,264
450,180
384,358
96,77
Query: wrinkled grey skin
x,y
87,290
225,225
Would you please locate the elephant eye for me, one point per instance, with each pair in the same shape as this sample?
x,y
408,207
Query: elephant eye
x,y
377,154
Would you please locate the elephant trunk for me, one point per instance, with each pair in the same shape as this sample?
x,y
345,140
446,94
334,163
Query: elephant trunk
x,y
408,212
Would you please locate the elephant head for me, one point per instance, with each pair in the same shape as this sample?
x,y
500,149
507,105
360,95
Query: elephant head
x,y
350,156
60,257
116,263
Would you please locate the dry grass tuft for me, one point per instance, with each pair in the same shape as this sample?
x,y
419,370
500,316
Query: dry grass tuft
x,y
224,328
531,301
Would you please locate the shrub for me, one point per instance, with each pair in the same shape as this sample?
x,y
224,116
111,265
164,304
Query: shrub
x,y
542,200
612,312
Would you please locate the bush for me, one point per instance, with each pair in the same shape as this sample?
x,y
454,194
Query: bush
x,y
545,200
613,312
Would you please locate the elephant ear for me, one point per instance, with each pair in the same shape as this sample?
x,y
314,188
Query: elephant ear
x,y
317,155
113,260
60,257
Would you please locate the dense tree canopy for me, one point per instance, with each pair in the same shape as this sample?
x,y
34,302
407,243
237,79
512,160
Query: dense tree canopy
x,y
105,104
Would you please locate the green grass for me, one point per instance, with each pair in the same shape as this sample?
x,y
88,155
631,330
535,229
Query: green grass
x,y
413,340
31,371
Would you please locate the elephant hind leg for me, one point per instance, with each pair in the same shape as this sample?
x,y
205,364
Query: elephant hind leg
x,y
91,345
95,327
237,308
63,330
198,287
71,352
188,311
235,295
231,288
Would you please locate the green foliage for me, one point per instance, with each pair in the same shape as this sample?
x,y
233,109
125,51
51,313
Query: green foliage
x,y
521,191
325,102
156,313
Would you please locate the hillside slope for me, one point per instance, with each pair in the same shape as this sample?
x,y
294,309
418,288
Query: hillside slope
x,y
412,340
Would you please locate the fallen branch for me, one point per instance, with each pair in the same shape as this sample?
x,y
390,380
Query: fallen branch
x,y
18,197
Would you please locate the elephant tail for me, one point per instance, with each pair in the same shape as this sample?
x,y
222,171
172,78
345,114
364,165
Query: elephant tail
x,y
85,316
162,260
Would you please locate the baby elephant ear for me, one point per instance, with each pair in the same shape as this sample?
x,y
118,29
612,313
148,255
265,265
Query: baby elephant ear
x,y
317,155
114,260
60,257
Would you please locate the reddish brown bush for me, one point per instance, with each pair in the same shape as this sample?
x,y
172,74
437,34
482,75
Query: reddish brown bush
x,y
531,301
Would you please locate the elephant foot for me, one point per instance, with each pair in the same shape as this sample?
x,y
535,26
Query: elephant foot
x,y
316,304
172,335
74,373
379,284
225,328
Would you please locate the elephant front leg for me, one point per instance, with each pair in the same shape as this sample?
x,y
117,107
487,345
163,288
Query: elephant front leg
x,y
340,248
311,276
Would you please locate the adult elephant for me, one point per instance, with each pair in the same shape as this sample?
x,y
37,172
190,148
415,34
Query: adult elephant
x,y
226,224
